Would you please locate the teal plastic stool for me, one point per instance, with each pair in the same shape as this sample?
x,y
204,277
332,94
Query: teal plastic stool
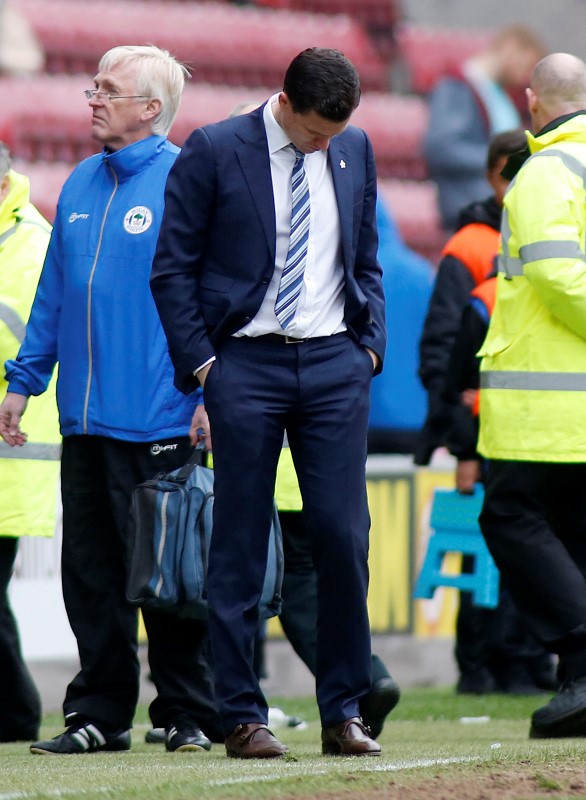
x,y
455,529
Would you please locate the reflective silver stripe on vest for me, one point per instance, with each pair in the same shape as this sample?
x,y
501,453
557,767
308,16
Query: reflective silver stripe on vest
x,y
13,322
572,163
534,381
561,248
513,267
506,263
8,233
31,451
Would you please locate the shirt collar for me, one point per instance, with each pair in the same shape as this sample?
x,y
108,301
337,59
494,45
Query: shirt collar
x,y
276,136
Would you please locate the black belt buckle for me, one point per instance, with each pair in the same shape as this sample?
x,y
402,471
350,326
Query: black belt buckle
x,y
292,340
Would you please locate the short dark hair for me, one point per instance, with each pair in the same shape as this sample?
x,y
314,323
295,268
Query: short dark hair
x,y
325,81
505,144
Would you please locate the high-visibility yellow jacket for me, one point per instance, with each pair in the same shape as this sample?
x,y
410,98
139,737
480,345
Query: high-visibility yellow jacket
x,y
533,369
29,474
287,494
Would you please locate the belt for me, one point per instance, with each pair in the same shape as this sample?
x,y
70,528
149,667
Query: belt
x,y
278,338
281,338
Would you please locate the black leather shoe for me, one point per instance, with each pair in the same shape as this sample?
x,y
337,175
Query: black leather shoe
x,y
83,738
378,704
349,738
564,715
185,739
254,740
155,736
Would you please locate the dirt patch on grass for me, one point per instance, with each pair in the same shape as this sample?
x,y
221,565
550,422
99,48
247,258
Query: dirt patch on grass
x,y
521,782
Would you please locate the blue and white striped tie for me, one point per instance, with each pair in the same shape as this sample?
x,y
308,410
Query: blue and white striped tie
x,y
292,276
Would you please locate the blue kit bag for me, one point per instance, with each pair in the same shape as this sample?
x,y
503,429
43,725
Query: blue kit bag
x,y
170,528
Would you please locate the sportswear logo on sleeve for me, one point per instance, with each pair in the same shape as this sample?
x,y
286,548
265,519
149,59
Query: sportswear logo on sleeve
x,y
138,220
74,215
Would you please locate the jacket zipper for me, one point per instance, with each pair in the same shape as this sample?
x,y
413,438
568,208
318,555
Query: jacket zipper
x,y
89,303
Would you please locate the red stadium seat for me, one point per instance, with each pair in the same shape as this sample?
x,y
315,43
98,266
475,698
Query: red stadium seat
x,y
47,118
396,125
430,53
244,46
415,210
379,17
369,12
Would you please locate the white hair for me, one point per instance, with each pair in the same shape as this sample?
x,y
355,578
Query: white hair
x,y
158,75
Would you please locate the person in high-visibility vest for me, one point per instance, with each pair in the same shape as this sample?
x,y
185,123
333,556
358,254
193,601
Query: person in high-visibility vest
x,y
495,650
533,389
29,476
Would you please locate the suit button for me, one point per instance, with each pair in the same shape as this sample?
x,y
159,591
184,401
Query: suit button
x,y
245,319
265,280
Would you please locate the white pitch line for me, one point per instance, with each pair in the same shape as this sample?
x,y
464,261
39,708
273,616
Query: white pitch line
x,y
51,793
405,765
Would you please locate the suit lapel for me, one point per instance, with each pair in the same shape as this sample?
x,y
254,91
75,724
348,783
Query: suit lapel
x,y
255,164
341,166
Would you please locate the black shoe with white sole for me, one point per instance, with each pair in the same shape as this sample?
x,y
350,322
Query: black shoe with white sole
x,y
185,738
83,738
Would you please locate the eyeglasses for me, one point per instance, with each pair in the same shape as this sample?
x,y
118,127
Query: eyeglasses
x,y
91,93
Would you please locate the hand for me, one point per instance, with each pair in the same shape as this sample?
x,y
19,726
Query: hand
x,y
11,411
202,374
199,430
467,474
468,398
374,357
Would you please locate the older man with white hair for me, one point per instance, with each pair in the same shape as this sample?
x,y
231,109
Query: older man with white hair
x,y
533,389
121,418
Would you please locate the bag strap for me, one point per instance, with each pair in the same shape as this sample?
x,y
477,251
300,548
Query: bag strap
x,y
195,460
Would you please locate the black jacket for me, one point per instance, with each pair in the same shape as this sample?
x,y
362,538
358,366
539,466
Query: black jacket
x,y
457,275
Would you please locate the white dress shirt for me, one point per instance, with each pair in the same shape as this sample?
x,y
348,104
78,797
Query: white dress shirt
x,y
320,308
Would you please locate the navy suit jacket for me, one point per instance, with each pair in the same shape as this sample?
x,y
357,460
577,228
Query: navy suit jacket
x,y
216,251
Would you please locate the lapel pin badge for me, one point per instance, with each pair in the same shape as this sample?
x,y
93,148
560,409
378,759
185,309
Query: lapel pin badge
x,y
342,164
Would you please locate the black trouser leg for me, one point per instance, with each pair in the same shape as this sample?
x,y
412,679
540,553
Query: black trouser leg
x,y
99,477
534,522
178,658
20,702
299,615
94,590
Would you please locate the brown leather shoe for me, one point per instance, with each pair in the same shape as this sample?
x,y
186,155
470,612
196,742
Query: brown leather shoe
x,y
349,738
253,740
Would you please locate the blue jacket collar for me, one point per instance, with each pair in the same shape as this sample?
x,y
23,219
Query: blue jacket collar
x,y
134,157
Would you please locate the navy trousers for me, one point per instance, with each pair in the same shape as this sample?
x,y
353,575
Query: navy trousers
x,y
318,391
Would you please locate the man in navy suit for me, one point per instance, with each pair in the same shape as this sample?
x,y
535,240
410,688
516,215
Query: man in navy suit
x,y
224,249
